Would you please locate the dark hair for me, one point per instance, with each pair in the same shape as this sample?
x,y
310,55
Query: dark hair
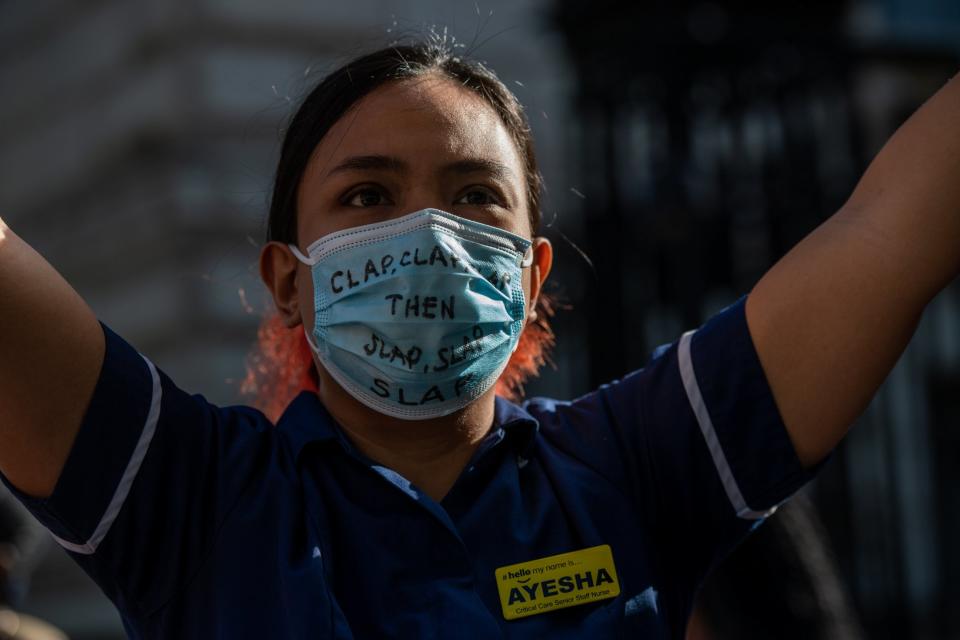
x,y
281,364
340,90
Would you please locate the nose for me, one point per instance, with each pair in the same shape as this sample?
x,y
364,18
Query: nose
x,y
419,197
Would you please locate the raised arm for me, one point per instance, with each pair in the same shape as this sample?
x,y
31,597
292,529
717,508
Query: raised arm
x,y
51,349
830,319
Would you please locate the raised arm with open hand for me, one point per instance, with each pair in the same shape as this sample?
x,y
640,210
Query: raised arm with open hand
x,y
51,349
830,319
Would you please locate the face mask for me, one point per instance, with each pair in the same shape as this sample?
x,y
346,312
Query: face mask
x,y
417,317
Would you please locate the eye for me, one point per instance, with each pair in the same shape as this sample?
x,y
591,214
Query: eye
x,y
367,196
478,197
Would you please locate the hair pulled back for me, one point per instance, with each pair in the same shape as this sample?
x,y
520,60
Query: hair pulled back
x,y
333,97
281,365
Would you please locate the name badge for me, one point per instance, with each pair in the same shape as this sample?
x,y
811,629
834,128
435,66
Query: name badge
x,y
557,582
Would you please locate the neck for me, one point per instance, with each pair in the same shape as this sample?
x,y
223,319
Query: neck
x,y
429,453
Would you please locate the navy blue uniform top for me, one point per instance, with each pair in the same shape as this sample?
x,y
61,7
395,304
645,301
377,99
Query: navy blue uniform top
x,y
200,521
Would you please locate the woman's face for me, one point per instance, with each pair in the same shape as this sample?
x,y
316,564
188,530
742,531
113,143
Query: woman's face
x,y
406,146
412,145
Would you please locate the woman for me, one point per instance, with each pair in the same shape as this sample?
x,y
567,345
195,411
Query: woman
x,y
401,497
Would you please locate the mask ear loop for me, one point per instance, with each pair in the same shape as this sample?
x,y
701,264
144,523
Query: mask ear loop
x,y
313,345
304,259
309,262
526,261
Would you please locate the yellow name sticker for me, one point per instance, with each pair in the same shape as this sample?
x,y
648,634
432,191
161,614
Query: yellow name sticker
x,y
557,582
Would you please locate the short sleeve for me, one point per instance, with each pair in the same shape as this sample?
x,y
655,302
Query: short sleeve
x,y
697,438
720,457
151,475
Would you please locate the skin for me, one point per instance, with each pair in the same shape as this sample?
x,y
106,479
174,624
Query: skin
x,y
831,318
39,358
828,320
425,127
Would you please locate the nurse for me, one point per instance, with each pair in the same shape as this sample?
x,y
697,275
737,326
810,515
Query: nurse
x,y
397,495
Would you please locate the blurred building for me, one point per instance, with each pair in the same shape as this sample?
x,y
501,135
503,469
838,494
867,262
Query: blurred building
x,y
711,137
137,146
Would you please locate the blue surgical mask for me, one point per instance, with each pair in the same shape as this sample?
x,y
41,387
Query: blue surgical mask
x,y
417,317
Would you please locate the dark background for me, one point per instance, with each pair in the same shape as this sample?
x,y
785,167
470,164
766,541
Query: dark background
x,y
686,146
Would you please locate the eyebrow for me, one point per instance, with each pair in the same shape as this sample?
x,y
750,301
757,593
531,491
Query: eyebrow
x,y
395,165
370,163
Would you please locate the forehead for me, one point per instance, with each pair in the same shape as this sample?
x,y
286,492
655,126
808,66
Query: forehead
x,y
425,121
456,119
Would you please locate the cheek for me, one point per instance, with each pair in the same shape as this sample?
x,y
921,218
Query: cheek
x,y
305,297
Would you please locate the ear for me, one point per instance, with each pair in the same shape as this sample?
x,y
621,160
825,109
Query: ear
x,y
278,269
539,270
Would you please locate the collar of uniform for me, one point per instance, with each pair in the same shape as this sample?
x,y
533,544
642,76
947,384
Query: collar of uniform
x,y
520,426
306,420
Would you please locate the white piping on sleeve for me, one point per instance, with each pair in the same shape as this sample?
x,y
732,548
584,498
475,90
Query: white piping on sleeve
x,y
710,435
126,480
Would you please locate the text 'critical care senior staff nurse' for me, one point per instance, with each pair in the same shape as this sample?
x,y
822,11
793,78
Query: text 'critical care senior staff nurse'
x,y
401,497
